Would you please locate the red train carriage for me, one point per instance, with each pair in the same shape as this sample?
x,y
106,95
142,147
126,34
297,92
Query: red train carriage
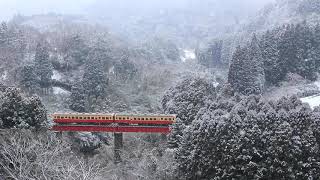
x,y
78,118
67,118
145,119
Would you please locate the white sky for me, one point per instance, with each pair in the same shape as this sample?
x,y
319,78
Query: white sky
x,y
8,8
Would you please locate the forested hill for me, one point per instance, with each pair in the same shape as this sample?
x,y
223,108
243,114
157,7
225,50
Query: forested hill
x,y
284,12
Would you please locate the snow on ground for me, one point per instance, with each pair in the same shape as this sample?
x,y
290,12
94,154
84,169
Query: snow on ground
x,y
4,75
314,100
188,54
57,90
56,75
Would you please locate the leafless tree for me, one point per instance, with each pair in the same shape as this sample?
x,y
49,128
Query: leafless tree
x,y
25,155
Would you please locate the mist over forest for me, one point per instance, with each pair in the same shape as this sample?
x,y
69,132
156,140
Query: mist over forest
x,y
159,89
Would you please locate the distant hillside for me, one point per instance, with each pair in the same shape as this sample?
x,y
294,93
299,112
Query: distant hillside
x,y
284,12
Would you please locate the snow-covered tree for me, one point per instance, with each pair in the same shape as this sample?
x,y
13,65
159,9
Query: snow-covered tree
x,y
94,79
17,111
175,137
187,98
78,98
75,51
43,66
28,80
265,141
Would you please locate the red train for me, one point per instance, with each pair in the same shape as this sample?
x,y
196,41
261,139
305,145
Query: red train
x,y
67,118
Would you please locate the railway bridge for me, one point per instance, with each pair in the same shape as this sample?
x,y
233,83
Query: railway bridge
x,y
114,123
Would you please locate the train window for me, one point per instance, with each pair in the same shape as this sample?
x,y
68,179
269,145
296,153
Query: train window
x,y
80,117
142,118
103,118
170,119
154,118
138,118
161,118
134,118
107,118
165,118
147,119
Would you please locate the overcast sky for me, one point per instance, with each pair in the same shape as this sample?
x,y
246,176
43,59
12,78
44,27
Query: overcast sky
x,y
8,8
28,7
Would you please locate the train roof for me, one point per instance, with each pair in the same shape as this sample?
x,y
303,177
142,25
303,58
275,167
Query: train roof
x,y
89,114
117,114
128,114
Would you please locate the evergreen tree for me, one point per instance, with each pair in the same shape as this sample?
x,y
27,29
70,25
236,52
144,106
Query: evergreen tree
x,y
236,75
273,66
246,73
28,79
77,99
176,134
265,141
186,99
256,71
316,47
17,111
75,51
212,55
94,78
125,70
43,66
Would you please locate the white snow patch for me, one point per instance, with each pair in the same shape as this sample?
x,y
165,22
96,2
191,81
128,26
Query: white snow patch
x,y
317,83
111,70
4,75
57,90
313,101
56,75
188,54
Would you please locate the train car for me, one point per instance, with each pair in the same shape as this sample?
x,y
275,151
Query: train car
x,y
145,119
66,118
126,119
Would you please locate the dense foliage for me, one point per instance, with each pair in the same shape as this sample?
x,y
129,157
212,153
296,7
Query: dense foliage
x,y
251,138
17,111
187,98
246,74
287,49
211,56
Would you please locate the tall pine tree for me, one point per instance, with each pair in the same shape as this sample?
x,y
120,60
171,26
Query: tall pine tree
x,y
43,66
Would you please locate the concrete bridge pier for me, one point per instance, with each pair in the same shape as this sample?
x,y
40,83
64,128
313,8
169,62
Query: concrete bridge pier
x,y
118,145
